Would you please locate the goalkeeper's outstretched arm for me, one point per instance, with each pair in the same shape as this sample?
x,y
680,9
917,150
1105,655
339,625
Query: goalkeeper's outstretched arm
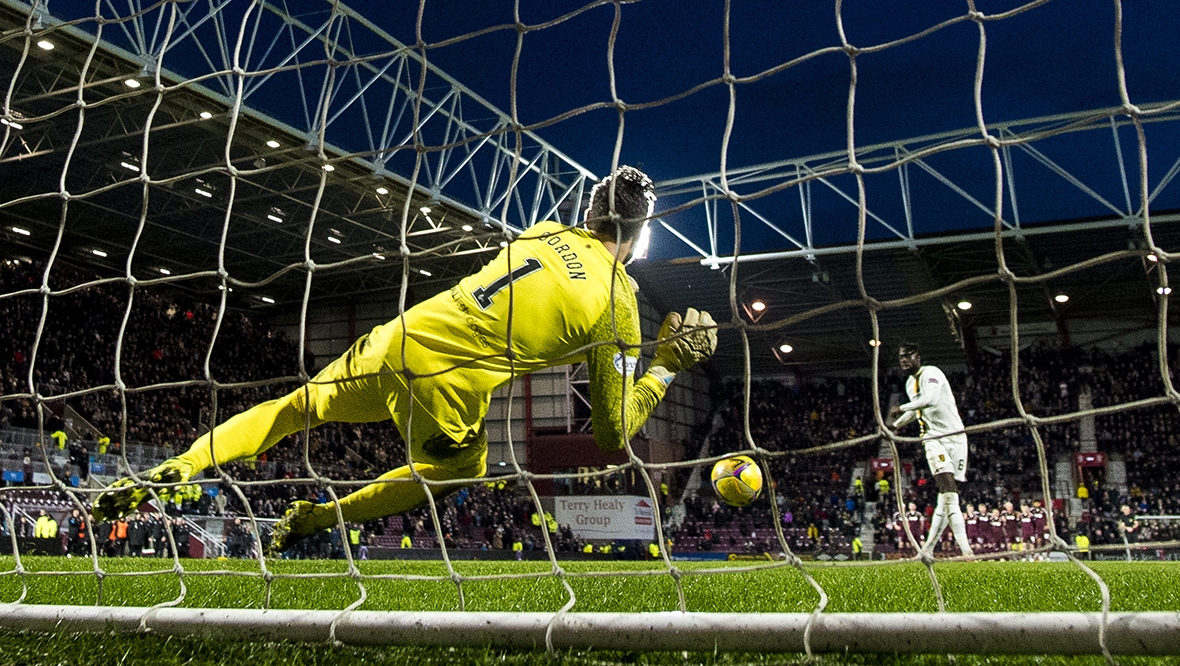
x,y
686,341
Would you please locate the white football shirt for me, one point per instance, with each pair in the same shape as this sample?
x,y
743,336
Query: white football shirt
x,y
931,402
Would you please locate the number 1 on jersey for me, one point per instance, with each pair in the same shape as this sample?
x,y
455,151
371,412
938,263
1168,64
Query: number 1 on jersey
x,y
483,295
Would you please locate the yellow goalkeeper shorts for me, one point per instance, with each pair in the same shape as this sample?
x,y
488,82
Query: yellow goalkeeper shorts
x,y
363,386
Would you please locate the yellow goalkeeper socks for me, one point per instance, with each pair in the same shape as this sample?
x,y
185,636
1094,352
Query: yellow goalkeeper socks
x,y
247,434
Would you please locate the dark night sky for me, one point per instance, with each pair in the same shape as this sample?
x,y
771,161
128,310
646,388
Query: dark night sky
x,y
1052,59
1055,58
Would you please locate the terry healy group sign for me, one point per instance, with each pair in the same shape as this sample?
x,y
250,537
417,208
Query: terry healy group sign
x,y
606,517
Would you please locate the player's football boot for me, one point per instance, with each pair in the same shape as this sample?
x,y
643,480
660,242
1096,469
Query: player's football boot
x,y
295,525
124,496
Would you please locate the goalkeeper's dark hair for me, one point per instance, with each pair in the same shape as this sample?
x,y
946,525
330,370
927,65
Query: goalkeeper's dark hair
x,y
909,348
634,195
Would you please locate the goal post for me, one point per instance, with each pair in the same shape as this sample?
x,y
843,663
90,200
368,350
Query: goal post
x,y
1147,634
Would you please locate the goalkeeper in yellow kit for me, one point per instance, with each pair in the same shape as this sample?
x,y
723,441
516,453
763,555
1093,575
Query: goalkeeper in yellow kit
x,y
543,301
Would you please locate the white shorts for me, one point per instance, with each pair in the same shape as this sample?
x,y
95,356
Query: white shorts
x,y
948,454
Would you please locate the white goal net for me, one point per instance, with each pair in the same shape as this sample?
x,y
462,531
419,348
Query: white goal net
x,y
196,196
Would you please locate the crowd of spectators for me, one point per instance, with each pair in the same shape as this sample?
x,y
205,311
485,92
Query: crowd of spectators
x,y
171,336
819,505
167,338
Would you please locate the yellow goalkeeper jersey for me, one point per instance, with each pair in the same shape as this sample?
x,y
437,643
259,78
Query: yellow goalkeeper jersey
x,y
545,296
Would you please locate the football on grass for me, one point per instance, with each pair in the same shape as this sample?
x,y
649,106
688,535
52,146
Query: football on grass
x,y
737,480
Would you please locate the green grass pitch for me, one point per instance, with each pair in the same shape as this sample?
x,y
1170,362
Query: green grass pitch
x,y
982,586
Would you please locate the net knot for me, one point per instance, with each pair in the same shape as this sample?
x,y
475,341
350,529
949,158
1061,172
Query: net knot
x,y
976,15
1131,110
992,141
851,50
620,105
132,280
855,167
309,265
926,557
729,79
64,194
43,290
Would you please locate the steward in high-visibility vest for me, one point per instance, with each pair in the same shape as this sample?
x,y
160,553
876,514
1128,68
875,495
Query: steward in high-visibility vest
x,y
406,542
46,527
60,437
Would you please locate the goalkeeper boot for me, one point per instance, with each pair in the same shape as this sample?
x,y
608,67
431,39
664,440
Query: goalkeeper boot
x,y
296,524
124,496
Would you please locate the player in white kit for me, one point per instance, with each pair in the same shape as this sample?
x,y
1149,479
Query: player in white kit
x,y
933,405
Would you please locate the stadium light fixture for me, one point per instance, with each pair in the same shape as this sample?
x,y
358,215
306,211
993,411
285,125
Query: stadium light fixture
x,y
205,193
503,243
1152,258
132,83
874,343
757,306
274,218
466,227
205,115
1061,298
98,253
1163,291
268,299
382,191
964,305
329,167
334,239
12,123
45,45
272,144
21,231
643,244
786,348
425,210
164,271
426,273
129,166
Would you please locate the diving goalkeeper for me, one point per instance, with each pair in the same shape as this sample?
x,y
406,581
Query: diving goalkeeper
x,y
434,368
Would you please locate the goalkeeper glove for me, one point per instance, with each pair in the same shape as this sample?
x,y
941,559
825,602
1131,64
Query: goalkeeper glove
x,y
697,340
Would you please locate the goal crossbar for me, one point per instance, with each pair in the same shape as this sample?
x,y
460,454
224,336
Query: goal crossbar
x,y
1149,633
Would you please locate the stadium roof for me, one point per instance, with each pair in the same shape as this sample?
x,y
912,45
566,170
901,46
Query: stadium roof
x,y
473,171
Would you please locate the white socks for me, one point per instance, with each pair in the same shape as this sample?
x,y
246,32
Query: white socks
x,y
947,510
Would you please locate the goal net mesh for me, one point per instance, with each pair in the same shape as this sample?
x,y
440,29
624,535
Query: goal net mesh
x,y
173,121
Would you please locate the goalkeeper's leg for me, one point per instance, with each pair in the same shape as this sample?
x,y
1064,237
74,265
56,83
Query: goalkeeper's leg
x,y
350,389
392,493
